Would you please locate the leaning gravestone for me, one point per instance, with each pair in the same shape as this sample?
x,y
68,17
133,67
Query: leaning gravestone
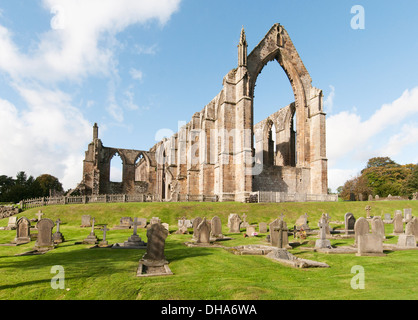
x,y
22,231
154,262
360,228
398,223
350,222
378,227
44,241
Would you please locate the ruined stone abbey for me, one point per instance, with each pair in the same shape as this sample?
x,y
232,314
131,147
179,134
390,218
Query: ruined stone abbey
x,y
221,154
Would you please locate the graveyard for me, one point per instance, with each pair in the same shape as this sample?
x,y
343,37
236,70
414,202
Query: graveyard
x,y
238,265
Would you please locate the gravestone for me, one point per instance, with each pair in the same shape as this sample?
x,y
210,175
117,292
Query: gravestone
x,y
278,234
250,230
44,241
195,224
388,218
104,242
415,227
244,223
408,240
124,223
323,242
378,227
91,238
360,228
234,223
11,224
216,225
142,223
155,220
183,225
203,232
398,223
407,214
57,237
302,222
350,222
85,221
369,244
368,209
22,231
262,227
134,240
154,262
39,215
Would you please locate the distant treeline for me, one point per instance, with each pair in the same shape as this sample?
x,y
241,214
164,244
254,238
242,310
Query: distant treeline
x,y
382,176
23,187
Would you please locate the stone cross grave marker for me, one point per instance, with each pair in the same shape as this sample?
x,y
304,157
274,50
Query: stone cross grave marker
x,y
57,237
323,242
39,215
104,242
368,209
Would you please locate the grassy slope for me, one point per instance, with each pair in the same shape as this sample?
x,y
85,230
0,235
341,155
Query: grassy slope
x,y
202,273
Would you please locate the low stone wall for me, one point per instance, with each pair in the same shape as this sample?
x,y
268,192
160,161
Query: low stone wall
x,y
8,211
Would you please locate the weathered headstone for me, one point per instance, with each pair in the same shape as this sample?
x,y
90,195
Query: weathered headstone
x,y
407,214
262,227
11,224
85,221
142,223
361,228
408,239
278,234
203,232
57,237
195,224
244,223
22,231
154,262
155,220
388,218
302,222
350,222
124,223
216,225
398,223
378,227
234,223
250,230
44,241
369,244
183,225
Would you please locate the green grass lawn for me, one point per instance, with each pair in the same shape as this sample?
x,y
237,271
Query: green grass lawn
x,y
203,273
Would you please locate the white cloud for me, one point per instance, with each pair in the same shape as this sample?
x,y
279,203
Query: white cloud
x,y
390,131
136,74
49,134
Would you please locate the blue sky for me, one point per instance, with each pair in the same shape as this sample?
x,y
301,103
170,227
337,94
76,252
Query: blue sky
x,y
137,68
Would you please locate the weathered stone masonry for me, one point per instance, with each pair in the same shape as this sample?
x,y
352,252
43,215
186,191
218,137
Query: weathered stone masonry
x,y
221,154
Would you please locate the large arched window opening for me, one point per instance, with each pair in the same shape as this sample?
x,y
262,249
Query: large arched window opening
x,y
116,168
141,168
272,92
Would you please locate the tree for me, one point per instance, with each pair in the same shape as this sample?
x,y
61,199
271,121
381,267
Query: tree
x,y
48,182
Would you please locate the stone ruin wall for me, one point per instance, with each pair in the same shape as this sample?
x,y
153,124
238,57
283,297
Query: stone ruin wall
x,y
220,154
